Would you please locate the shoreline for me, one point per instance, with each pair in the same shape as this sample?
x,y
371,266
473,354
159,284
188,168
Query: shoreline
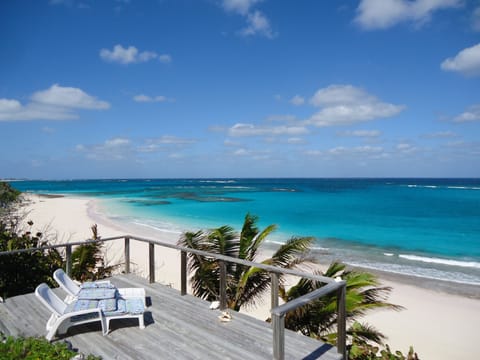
x,y
440,286
438,321
437,285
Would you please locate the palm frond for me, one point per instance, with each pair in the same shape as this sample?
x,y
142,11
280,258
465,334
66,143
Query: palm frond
x,y
335,269
257,242
293,249
319,317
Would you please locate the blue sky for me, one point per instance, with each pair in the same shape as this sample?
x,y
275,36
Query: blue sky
x,y
239,88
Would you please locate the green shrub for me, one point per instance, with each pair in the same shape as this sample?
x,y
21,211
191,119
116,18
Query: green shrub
x,y
366,351
35,349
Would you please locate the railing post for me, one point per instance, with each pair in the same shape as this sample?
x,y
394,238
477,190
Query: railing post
x,y
278,323
151,262
127,255
68,256
274,290
223,285
341,322
183,273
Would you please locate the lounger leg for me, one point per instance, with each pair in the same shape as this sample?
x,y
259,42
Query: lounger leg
x,y
105,325
141,322
51,322
51,333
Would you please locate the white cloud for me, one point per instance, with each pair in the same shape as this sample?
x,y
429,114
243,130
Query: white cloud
x,y
241,152
339,95
9,106
382,14
359,150
112,149
252,130
314,152
403,146
142,98
146,98
131,55
55,103
165,58
466,61
282,118
338,150
241,7
297,100
68,97
406,148
361,133
121,148
257,24
373,152
296,140
252,154
164,143
173,140
148,148
116,142
469,115
346,104
368,149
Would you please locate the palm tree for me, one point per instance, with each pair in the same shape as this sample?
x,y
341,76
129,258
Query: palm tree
x,y
88,262
318,318
245,284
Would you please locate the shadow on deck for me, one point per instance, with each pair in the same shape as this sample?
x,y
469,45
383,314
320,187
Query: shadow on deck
x,y
177,327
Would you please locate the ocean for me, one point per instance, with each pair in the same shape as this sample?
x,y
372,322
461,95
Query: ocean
x,y
425,228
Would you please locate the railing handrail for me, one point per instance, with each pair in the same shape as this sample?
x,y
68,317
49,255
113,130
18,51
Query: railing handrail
x,y
268,268
278,312
305,299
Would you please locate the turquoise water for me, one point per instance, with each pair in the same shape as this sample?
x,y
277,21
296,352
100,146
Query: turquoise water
x,y
421,227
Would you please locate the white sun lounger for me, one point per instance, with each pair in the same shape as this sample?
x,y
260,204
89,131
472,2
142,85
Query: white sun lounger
x,y
70,287
130,303
63,316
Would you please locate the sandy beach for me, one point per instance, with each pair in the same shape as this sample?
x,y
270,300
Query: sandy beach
x,y
439,324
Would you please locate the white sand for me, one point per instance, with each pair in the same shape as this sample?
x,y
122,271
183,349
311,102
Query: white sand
x,y
437,324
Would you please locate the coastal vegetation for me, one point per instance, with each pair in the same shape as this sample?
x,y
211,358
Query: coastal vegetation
x,y
246,284
88,262
21,272
30,348
319,317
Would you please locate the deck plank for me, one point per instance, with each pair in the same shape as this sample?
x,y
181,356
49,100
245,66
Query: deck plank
x,y
177,327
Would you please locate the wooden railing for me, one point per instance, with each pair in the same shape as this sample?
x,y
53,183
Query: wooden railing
x,y
278,312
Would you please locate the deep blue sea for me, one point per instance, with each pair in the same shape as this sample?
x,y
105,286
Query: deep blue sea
x,y
428,228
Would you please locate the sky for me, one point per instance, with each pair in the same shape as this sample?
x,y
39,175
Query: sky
x,y
239,88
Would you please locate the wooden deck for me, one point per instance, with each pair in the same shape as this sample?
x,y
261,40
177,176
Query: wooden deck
x,y
177,327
